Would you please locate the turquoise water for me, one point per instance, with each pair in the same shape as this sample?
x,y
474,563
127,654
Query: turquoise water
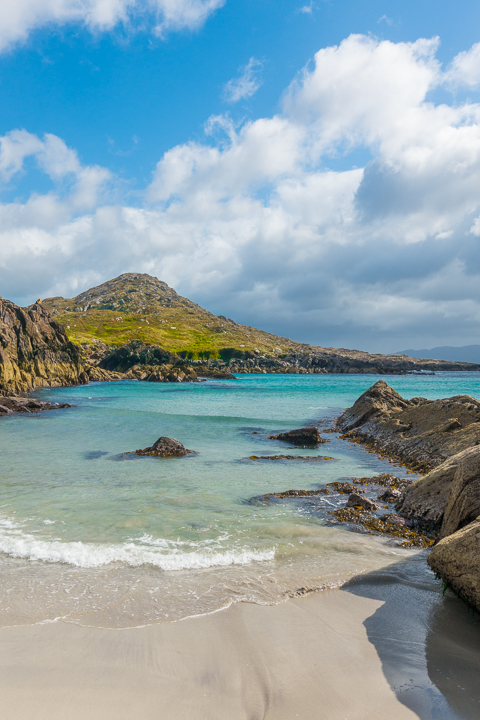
x,y
90,533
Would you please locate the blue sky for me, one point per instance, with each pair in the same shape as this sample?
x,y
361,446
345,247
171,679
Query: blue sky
x,y
293,166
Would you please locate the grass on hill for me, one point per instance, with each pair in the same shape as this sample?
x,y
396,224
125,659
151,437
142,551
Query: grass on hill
x,y
140,307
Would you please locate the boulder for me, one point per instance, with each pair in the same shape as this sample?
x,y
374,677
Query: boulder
x,y
426,499
456,559
165,447
356,500
390,495
304,437
463,505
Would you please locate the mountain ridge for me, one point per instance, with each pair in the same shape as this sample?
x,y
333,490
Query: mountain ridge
x,y
139,308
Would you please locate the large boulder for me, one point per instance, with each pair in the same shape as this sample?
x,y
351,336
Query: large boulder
x,y
418,432
35,350
463,505
456,559
304,437
165,447
427,499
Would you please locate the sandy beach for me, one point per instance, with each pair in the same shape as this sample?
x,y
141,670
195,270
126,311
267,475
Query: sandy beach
x,y
378,648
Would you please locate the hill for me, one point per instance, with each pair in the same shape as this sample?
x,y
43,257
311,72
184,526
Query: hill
x,y
140,307
466,353
137,310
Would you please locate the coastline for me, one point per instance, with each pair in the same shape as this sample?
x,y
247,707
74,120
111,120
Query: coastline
x,y
332,655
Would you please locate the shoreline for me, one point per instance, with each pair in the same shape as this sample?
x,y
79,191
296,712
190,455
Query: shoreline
x,y
341,653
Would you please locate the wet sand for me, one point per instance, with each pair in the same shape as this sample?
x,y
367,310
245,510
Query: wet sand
x,y
386,646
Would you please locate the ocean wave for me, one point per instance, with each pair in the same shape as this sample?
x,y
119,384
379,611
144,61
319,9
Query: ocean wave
x,y
15,543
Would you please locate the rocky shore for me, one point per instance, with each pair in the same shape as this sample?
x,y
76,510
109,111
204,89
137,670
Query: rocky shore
x,y
419,433
443,435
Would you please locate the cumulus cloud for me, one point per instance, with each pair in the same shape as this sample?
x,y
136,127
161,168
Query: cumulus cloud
x,y
246,85
464,71
19,19
258,222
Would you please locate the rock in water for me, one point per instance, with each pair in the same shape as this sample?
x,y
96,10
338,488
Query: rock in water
x,y
165,447
356,500
427,499
306,436
456,559
390,495
35,351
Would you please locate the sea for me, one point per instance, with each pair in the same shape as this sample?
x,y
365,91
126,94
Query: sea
x,y
93,534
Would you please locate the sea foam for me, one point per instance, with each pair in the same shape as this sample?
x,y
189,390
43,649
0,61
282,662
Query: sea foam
x,y
161,553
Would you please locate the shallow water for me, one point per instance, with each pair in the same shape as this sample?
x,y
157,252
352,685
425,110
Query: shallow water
x,y
103,538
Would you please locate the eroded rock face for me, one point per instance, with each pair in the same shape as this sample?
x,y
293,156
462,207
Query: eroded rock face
x,y
35,351
427,499
420,433
165,447
456,559
303,437
463,505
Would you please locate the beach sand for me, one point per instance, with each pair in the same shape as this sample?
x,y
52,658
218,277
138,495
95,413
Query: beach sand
x,y
368,650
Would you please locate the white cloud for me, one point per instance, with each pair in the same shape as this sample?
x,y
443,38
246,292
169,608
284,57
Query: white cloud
x,y
464,71
308,9
253,224
19,19
246,85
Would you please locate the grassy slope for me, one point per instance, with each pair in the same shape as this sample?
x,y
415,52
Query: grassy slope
x,y
140,307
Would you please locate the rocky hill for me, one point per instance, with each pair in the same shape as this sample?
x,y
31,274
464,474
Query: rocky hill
x,y
140,308
35,351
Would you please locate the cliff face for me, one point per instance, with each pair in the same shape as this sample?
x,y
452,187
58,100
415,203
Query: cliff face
x,y
35,351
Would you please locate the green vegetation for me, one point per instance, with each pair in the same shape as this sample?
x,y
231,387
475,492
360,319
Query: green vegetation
x,y
140,307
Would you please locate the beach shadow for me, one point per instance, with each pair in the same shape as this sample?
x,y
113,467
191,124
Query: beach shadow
x,y
429,645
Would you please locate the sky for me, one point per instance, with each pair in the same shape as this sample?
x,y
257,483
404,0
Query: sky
x,y
309,169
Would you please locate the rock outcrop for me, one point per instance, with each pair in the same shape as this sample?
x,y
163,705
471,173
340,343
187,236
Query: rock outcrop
x,y
463,506
10,404
447,502
419,433
456,559
35,351
426,499
165,447
360,501
303,437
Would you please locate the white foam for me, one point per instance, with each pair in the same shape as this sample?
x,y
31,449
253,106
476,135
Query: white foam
x,y
18,544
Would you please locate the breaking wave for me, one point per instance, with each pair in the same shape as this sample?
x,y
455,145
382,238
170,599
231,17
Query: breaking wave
x,y
160,553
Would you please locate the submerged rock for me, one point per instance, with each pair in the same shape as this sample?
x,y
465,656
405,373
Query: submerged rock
x,y
456,559
304,437
311,458
165,447
419,433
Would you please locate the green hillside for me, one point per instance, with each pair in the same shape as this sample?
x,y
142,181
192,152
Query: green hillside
x,y
137,306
